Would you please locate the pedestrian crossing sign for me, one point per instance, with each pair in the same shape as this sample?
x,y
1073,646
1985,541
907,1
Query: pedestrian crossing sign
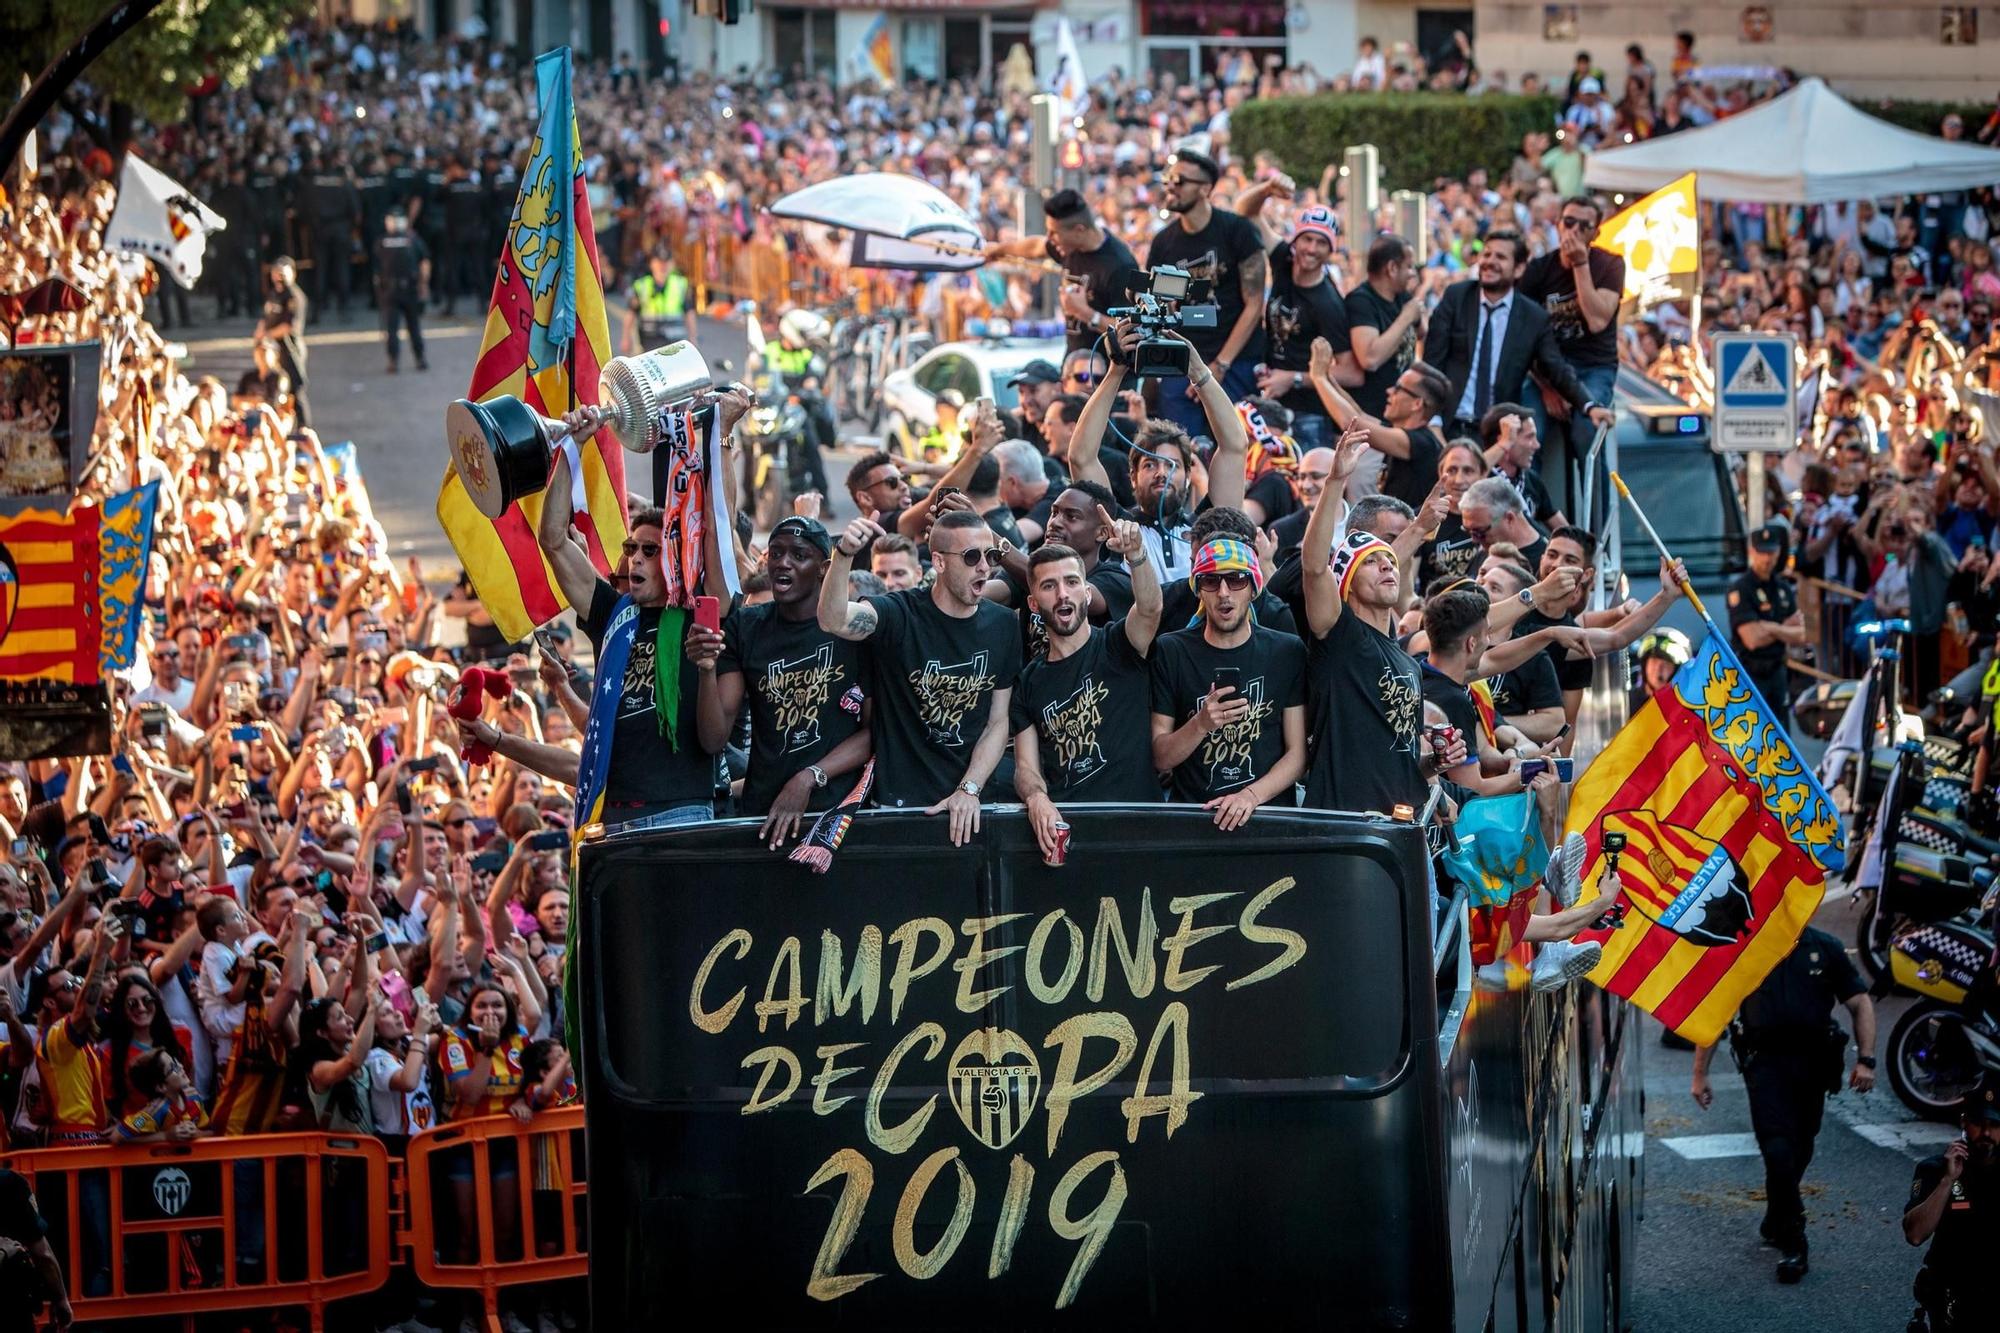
x,y
1756,393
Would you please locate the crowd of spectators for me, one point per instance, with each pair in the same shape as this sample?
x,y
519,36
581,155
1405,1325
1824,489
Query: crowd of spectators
x,y
282,900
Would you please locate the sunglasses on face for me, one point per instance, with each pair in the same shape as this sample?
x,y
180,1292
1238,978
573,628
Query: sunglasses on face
x,y
139,1001
457,823
976,556
894,480
1186,182
1235,580
1083,376
1577,224
650,550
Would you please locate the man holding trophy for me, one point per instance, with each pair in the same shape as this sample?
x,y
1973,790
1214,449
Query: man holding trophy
x,y
643,763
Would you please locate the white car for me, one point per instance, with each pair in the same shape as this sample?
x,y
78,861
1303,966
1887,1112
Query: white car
x,y
975,369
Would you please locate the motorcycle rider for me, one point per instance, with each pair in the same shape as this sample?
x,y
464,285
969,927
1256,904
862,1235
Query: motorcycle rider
x,y
660,307
796,357
1955,1205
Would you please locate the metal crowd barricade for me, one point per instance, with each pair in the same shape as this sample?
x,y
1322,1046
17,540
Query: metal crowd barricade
x,y
547,1154
152,1230
1827,609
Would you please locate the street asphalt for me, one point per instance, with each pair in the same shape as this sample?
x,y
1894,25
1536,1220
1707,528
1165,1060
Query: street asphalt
x,y
1700,1265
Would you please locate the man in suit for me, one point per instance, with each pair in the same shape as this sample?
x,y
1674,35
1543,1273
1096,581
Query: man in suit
x,y
1486,337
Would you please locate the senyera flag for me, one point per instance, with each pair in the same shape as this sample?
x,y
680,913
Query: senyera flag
x,y
546,338
1659,238
1729,839
71,588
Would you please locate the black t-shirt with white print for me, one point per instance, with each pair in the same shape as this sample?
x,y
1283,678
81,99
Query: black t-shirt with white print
x,y
935,676
1450,554
646,771
804,689
1367,713
1091,715
1273,668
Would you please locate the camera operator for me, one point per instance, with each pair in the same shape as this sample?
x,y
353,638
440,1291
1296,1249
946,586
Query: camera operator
x,y
1225,250
1169,481
1955,1205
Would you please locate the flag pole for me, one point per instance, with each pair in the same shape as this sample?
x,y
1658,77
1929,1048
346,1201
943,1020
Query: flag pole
x,y
1687,588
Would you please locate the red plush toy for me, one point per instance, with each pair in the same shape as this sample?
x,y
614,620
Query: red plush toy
x,y
475,686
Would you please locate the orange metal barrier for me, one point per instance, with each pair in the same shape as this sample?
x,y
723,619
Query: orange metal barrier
x,y
458,1160
157,1229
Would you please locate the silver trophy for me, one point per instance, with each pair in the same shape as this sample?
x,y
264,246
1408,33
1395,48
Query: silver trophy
x,y
503,448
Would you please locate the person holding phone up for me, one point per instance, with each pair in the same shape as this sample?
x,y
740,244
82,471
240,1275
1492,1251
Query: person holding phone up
x,y
1955,1205
1229,696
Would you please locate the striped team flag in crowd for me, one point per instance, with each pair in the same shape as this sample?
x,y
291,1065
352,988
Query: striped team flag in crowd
x,y
546,338
71,586
1729,840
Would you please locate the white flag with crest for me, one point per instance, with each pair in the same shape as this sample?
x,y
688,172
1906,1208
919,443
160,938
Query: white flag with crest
x,y
1066,81
157,217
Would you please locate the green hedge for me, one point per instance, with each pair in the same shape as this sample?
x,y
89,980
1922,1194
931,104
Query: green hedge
x,y
1421,136
1926,117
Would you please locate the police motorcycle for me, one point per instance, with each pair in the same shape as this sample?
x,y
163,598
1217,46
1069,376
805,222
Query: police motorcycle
x,y
1903,789
776,435
1944,1042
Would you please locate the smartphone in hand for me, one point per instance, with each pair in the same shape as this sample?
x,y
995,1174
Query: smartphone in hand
x,y
708,614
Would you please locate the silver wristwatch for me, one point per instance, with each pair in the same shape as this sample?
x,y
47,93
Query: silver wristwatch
x,y
969,787
819,775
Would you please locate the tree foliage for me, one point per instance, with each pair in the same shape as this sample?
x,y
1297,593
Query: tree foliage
x,y
153,66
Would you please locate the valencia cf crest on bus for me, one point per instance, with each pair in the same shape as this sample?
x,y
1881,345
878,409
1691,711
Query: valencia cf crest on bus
x,y
995,1082
1686,883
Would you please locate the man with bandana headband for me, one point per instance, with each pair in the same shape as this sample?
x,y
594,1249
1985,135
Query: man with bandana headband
x,y
1955,1205
1229,700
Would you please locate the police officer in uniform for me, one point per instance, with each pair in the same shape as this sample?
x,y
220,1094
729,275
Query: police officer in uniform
x,y
402,282
464,224
372,184
657,309
794,357
333,208
1792,1054
1955,1205
405,181
1764,618
237,245
431,184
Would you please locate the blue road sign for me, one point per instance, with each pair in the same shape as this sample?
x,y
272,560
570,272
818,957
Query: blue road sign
x,y
1756,392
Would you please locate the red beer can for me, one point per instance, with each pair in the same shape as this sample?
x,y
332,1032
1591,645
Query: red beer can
x,y
1062,845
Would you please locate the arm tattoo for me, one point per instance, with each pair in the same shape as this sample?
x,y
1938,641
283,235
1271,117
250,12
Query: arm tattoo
x,y
861,619
1250,274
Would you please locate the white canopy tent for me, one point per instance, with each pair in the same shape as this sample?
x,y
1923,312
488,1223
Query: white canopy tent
x,y
1808,146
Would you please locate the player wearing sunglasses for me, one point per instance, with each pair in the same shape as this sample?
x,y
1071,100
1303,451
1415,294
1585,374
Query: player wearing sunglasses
x,y
945,661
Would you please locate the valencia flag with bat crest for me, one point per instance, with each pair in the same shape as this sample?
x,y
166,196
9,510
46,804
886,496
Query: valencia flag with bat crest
x,y
1729,839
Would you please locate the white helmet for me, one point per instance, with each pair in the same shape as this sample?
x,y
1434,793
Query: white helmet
x,y
801,328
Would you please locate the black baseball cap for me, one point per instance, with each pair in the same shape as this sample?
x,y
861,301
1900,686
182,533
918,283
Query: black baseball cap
x,y
809,530
1036,372
1770,537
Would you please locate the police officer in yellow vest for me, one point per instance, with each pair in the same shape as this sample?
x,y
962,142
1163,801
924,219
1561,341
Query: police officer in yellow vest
x,y
660,307
796,357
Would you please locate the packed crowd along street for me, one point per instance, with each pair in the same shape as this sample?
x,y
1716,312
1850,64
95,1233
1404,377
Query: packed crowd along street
x,y
1382,680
